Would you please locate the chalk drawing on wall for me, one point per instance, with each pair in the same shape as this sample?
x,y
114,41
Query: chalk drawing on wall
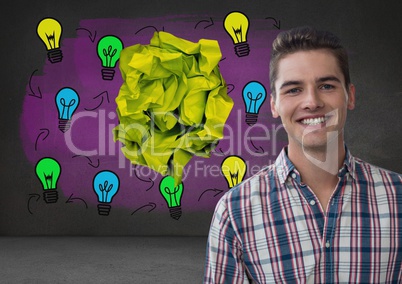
x,y
67,101
236,25
234,169
172,195
105,184
108,50
84,145
254,94
48,171
49,31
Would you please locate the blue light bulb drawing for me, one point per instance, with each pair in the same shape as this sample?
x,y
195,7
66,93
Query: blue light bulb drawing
x,y
67,101
105,184
254,95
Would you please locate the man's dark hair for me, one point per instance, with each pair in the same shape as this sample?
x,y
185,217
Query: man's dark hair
x,y
303,39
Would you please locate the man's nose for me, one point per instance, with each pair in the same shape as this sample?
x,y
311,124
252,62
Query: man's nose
x,y
312,99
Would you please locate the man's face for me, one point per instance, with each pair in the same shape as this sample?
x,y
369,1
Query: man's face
x,y
311,98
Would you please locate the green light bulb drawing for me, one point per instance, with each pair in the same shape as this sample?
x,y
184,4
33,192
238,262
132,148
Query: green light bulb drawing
x,y
109,48
172,195
48,171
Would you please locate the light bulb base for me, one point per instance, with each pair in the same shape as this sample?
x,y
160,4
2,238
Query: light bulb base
x,y
50,196
175,212
108,74
55,55
104,209
64,125
242,49
251,118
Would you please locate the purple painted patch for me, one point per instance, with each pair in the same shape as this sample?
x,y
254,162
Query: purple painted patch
x,y
87,147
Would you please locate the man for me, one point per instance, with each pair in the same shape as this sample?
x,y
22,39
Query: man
x,y
319,214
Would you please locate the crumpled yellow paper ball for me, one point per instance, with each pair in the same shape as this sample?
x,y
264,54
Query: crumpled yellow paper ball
x,y
173,103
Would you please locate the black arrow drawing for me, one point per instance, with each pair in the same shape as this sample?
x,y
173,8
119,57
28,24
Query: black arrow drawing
x,y
153,206
71,200
259,149
215,190
230,88
149,27
101,95
32,94
32,196
144,180
277,23
211,21
219,152
43,132
89,161
92,38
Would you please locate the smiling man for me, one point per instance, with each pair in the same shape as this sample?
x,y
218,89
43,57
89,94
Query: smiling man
x,y
312,97
319,214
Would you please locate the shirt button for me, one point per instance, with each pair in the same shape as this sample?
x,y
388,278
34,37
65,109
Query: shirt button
x,y
312,202
293,175
327,244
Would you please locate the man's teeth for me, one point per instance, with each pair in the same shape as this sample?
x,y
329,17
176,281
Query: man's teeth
x,y
313,121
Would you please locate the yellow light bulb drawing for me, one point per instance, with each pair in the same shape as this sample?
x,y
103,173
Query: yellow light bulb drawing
x,y
233,168
236,25
49,31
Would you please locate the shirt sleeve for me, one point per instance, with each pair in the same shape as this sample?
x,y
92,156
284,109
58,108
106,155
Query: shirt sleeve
x,y
224,257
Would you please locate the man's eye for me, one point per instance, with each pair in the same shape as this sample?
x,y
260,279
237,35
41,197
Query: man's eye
x,y
327,87
292,91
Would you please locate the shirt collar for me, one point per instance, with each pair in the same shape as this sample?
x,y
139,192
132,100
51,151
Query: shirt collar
x,y
285,167
348,164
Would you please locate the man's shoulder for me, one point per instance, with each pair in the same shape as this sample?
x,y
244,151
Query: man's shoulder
x,y
368,171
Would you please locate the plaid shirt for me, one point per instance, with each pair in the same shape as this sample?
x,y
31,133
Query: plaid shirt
x,y
272,229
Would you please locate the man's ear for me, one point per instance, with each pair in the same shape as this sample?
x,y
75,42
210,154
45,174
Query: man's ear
x,y
351,96
274,111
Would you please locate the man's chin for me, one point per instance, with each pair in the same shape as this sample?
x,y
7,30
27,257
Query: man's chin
x,y
314,146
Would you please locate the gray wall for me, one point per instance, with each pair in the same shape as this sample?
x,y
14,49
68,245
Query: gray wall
x,y
371,30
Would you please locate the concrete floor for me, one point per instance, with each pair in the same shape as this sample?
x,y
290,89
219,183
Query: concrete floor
x,y
102,259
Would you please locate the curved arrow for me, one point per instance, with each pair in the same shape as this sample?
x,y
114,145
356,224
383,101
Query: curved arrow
x,y
39,96
230,88
144,180
32,195
101,102
277,23
258,150
219,152
147,27
205,21
92,38
153,205
43,131
90,161
216,190
71,200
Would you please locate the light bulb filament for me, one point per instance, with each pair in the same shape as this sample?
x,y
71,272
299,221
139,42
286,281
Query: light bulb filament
x,y
109,55
51,40
252,107
105,189
65,113
235,177
172,195
48,180
238,33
